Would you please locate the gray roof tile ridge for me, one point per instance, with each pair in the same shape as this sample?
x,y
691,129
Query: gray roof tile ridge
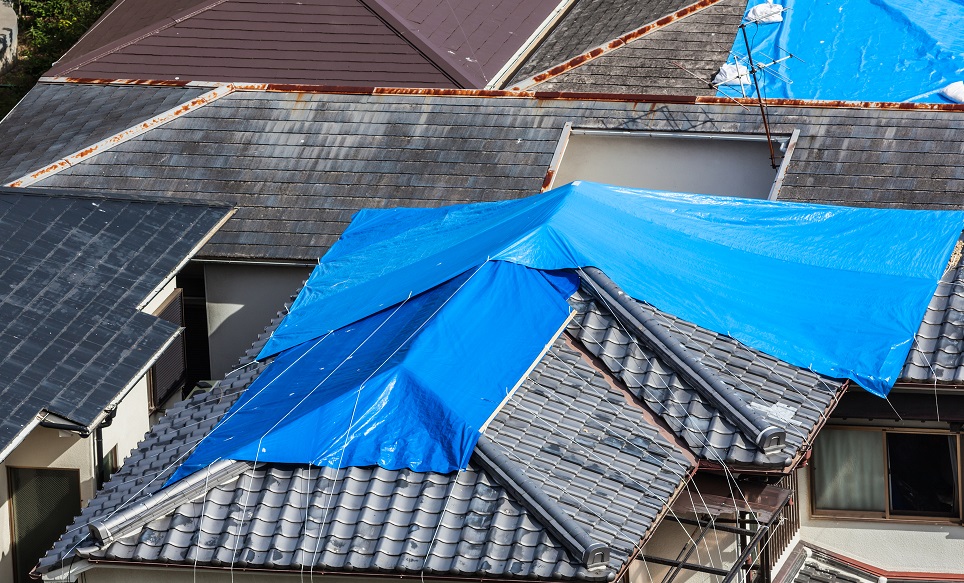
x,y
61,69
769,438
594,555
130,520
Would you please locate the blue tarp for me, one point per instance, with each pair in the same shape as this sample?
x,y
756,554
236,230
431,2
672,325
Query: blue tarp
x,y
858,50
407,387
836,289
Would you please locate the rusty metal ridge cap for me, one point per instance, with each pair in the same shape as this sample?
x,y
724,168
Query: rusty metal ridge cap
x,y
121,137
522,94
612,45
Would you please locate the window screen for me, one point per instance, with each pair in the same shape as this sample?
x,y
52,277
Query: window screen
x,y
849,470
44,503
923,474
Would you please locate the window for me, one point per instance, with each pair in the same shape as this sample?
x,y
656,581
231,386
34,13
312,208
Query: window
x,y
697,162
169,372
44,502
886,473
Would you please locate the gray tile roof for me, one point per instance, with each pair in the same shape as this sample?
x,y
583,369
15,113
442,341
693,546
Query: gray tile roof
x,y
789,396
568,429
74,269
699,42
936,355
54,120
591,23
300,164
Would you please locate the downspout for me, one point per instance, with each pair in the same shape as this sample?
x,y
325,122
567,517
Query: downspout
x,y
99,447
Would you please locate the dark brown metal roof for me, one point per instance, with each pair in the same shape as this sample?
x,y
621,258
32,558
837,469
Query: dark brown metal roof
x,y
286,41
391,43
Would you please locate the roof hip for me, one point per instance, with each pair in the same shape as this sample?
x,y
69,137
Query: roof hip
x,y
767,437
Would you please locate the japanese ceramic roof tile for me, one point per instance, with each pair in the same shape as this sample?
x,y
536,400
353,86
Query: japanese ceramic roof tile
x,y
791,397
74,270
463,524
389,43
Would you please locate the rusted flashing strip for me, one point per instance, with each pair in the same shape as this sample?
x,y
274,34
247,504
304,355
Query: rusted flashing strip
x,y
121,137
534,40
830,104
133,38
612,45
540,95
877,572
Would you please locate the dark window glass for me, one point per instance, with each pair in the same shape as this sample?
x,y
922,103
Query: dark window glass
x,y
923,474
44,503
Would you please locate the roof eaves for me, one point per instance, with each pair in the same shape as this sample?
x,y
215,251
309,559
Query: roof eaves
x,y
60,69
612,45
769,438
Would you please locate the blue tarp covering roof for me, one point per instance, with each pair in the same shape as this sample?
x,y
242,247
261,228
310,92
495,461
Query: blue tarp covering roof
x,y
837,289
419,322
857,50
408,387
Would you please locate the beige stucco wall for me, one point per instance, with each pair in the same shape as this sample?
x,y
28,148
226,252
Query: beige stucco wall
x,y
892,546
717,549
241,301
105,574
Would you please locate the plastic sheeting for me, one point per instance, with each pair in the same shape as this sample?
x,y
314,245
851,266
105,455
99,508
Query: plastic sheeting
x,y
857,50
836,289
408,387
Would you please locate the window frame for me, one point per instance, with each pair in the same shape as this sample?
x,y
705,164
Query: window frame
x,y
886,515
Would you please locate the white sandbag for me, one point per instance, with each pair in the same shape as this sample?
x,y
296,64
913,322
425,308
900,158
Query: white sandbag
x,y
954,92
768,13
732,74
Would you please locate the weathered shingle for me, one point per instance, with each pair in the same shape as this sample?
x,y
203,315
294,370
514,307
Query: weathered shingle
x,y
74,271
589,24
677,59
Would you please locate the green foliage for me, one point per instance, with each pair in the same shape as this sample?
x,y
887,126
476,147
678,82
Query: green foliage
x,y
48,28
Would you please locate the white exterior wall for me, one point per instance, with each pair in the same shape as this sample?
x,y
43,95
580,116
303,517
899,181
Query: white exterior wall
x,y
241,301
887,545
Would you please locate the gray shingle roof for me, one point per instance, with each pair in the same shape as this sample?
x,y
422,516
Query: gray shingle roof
x,y
789,396
300,164
699,42
54,120
74,270
599,459
588,24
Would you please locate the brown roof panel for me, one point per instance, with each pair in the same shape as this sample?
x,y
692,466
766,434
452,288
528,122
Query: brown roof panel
x,y
126,17
336,42
481,36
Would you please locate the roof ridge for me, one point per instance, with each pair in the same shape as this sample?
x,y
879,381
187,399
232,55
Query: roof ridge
x,y
441,60
769,438
110,196
572,535
132,518
610,46
59,70
133,131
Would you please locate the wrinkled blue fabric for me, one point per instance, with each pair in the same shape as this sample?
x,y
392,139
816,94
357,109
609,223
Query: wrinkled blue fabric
x,y
410,386
857,50
836,289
